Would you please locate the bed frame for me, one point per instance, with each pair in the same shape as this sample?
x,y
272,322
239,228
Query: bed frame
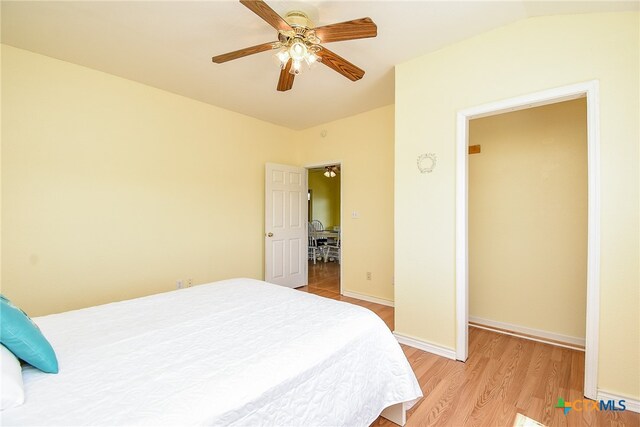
x,y
396,414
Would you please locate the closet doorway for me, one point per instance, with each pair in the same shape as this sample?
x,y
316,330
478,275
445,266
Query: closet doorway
x,y
324,263
590,226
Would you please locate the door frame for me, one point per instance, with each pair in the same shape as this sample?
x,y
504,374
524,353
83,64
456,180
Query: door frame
x,y
317,166
590,90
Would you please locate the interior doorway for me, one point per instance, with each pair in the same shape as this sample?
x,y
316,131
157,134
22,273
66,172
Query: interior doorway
x,y
324,263
528,240
590,91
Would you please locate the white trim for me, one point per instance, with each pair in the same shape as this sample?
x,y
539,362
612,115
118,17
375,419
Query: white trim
x,y
532,100
462,237
539,335
632,405
368,298
322,164
449,353
591,91
593,241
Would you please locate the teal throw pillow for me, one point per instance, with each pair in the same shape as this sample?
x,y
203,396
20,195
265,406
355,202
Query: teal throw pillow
x,y
23,338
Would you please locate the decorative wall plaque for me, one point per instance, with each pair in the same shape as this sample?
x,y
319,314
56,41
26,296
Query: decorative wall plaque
x,y
427,162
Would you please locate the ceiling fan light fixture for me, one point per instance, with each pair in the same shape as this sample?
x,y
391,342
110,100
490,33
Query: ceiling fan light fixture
x,y
311,59
298,50
296,67
283,57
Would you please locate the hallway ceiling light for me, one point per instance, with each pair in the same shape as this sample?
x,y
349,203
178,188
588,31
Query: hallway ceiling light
x,y
331,171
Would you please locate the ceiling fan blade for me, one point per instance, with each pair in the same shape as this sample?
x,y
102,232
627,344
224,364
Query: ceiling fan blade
x,y
242,52
286,78
356,29
341,65
263,10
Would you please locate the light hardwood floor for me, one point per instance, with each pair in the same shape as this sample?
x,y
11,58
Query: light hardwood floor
x,y
503,376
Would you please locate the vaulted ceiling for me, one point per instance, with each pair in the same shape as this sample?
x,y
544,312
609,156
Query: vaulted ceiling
x,y
169,45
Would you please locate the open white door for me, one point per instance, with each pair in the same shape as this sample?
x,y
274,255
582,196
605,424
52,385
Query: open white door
x,y
285,241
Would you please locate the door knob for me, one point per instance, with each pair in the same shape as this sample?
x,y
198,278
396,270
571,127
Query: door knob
x,y
269,234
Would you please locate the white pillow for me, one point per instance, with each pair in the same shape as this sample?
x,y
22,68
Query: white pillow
x,y
11,387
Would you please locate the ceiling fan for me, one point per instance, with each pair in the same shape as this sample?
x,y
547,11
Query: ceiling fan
x,y
299,42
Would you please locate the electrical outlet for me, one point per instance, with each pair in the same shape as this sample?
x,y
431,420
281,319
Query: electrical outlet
x,y
368,275
179,284
189,283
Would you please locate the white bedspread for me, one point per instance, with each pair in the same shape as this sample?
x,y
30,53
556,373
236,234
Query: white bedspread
x,y
237,352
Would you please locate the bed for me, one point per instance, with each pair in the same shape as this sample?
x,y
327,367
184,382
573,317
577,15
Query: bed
x,y
235,352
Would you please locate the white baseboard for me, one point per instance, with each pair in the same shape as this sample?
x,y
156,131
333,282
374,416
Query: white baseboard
x,y
449,353
632,405
533,334
368,298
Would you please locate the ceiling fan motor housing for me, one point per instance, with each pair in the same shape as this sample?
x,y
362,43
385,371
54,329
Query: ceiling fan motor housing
x,y
295,18
302,30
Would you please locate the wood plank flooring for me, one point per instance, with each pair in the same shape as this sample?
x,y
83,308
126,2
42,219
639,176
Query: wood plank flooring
x,y
324,280
503,376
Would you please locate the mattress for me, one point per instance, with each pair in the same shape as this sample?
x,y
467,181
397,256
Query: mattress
x,y
235,352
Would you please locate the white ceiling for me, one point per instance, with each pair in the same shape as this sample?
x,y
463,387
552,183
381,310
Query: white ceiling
x,y
169,45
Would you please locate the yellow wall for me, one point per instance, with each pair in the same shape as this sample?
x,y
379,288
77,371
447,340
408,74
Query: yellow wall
x,y
528,218
325,193
525,57
364,146
112,189
0,167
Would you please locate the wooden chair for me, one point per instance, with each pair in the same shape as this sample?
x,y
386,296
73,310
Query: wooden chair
x,y
332,251
317,226
315,252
